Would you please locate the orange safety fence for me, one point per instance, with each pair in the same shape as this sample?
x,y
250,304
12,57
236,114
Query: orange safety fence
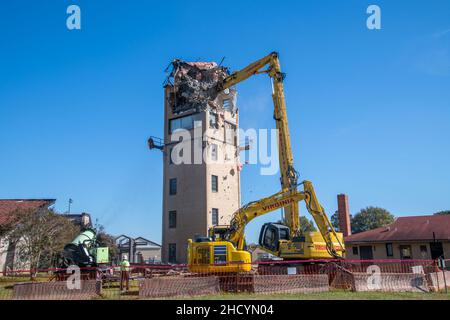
x,y
265,277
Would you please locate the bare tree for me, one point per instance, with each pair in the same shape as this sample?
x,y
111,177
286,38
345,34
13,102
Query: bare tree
x,y
38,236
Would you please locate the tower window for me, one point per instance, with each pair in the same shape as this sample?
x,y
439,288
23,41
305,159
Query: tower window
x,y
214,152
172,187
172,219
172,252
170,156
214,183
215,216
230,133
213,120
187,123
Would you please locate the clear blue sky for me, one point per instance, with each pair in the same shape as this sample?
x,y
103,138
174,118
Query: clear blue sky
x,y
369,111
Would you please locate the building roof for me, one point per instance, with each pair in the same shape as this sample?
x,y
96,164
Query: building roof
x,y
123,240
77,218
407,229
149,242
8,206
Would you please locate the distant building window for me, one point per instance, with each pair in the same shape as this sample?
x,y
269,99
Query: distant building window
x,y
405,252
172,219
172,252
172,187
215,216
214,152
214,183
389,250
355,250
213,120
423,249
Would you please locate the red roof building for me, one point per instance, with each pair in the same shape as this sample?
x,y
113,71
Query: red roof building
x,y
8,206
415,237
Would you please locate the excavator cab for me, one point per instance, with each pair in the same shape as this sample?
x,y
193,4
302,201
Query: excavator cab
x,y
217,233
271,234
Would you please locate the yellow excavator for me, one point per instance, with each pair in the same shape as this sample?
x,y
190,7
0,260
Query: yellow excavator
x,y
224,248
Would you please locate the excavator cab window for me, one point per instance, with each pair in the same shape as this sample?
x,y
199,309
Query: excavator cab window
x,y
269,237
217,232
271,234
284,234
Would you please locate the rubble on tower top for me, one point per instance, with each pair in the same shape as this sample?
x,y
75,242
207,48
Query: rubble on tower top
x,y
195,84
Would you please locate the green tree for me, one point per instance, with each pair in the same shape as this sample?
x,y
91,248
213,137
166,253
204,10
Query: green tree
x,y
335,221
440,213
306,225
371,218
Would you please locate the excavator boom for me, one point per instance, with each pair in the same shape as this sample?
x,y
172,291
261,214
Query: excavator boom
x,y
289,176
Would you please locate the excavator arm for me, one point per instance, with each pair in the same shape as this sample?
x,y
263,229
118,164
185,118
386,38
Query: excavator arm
x,y
252,69
280,200
289,176
256,209
321,219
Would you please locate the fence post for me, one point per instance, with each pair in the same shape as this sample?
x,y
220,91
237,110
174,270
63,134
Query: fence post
x,y
442,265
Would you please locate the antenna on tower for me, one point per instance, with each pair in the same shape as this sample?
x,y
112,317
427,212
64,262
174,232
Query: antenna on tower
x,y
70,202
221,61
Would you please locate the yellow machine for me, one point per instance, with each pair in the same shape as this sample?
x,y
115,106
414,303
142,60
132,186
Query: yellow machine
x,y
223,249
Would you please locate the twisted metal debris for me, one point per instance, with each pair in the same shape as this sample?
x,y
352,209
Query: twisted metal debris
x,y
195,84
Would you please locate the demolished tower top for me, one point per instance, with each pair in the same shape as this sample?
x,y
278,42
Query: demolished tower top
x,y
196,85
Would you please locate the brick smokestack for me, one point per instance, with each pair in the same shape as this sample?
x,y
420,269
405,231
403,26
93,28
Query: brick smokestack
x,y
344,215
